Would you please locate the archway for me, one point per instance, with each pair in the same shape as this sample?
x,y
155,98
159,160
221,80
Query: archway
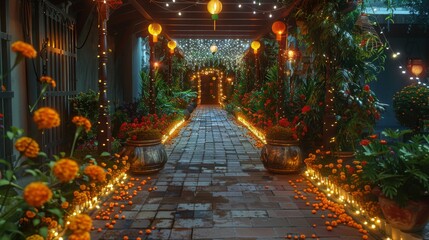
x,y
209,86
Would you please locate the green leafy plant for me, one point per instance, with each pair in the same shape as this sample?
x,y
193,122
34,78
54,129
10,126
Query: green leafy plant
x,y
399,169
411,106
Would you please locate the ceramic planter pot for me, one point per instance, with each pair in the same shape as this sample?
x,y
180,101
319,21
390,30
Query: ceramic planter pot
x,y
145,156
282,156
411,218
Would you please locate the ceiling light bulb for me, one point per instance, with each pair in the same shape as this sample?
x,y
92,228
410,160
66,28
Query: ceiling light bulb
x,y
167,4
275,7
239,5
174,0
254,2
180,13
254,12
271,15
259,3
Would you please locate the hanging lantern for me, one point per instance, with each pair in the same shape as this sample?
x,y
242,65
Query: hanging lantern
x,y
171,45
213,49
278,28
255,46
416,66
214,7
154,29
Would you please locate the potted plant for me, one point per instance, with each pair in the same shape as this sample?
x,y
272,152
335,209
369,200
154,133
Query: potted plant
x,y
281,153
399,170
143,144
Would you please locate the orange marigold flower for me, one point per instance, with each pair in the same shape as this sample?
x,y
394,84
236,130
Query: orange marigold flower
x,y
35,237
65,169
46,117
27,146
30,214
65,205
83,236
80,224
24,49
95,173
82,121
48,80
36,194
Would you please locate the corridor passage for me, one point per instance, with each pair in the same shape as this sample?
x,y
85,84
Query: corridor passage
x,y
214,186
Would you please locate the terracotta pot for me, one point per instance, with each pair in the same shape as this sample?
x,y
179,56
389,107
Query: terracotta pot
x,y
145,156
282,156
411,218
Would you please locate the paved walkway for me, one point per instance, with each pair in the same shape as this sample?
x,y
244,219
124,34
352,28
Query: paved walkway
x,y
214,187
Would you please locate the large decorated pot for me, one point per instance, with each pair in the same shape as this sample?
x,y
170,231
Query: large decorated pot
x,y
410,218
145,156
280,156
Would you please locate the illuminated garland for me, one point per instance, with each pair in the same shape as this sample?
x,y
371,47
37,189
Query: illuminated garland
x,y
229,54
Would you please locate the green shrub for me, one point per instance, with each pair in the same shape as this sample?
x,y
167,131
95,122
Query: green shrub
x,y
411,106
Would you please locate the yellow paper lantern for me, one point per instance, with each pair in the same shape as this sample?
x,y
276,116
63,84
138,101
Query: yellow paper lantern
x,y
171,45
278,28
214,7
155,29
255,46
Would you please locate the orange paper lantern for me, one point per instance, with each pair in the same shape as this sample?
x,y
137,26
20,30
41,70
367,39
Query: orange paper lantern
x,y
278,28
416,66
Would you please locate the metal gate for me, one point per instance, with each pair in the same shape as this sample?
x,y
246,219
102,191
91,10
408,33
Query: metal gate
x,y
6,149
54,32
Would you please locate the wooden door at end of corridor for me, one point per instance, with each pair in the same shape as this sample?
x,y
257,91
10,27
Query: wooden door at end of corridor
x,y
209,89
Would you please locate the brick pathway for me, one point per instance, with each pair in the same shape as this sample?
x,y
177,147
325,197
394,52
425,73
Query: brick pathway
x,y
215,187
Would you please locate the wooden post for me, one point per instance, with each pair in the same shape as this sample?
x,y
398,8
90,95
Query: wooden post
x,y
280,82
152,95
258,83
104,134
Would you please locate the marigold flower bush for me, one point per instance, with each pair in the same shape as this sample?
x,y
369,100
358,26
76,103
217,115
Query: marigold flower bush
x,y
52,187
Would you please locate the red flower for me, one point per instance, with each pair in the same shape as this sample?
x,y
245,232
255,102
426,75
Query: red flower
x,y
373,136
365,142
305,109
383,142
363,163
284,122
366,88
351,170
302,97
1,115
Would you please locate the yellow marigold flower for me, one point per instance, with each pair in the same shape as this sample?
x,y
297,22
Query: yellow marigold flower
x,y
36,194
46,117
48,80
65,205
83,236
65,169
82,121
35,237
27,146
80,224
95,173
24,49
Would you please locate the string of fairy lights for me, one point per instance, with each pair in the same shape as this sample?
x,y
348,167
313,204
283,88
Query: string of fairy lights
x,y
396,55
229,51
256,7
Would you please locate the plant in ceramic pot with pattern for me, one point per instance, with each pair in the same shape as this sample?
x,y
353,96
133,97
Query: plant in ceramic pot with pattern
x,y
398,172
